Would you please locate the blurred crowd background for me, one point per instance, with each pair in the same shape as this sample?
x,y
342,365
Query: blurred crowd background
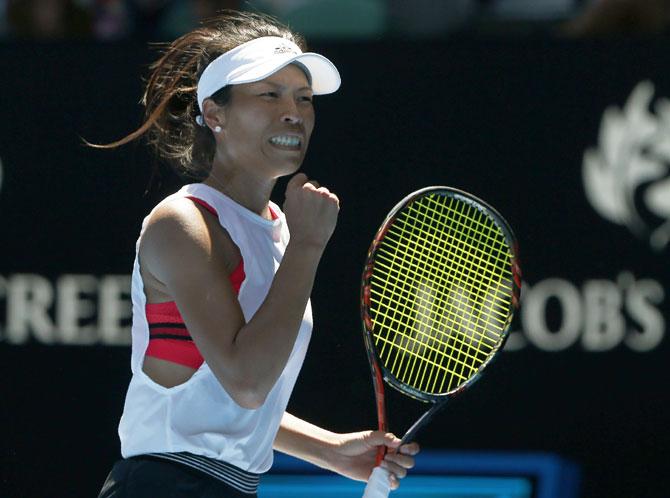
x,y
162,20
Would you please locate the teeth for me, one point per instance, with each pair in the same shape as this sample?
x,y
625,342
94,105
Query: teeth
x,y
286,140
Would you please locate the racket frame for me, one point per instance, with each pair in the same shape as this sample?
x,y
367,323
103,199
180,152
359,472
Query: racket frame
x,y
380,373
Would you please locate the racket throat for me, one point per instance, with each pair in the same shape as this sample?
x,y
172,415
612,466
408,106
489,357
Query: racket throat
x,y
380,399
423,420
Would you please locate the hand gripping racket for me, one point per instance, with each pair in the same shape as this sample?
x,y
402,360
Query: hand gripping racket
x,y
440,286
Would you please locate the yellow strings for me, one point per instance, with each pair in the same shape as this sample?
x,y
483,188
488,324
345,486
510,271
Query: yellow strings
x,y
440,293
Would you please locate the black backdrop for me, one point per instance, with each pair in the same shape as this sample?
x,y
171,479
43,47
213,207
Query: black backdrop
x,y
507,120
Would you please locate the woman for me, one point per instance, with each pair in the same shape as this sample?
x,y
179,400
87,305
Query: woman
x,y
221,313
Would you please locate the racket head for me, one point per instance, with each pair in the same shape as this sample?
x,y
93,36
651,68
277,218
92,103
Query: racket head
x,y
439,290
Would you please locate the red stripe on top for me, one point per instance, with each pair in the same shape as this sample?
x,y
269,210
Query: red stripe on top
x,y
238,276
180,351
209,208
163,313
203,204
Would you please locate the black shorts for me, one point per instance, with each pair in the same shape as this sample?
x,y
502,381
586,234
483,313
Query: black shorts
x,y
148,477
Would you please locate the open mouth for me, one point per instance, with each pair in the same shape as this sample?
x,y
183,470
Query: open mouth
x,y
291,142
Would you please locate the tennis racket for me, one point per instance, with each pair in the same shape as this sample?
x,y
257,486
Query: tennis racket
x,y
439,290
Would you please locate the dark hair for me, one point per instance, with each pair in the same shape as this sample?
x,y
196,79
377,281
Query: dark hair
x,y
170,100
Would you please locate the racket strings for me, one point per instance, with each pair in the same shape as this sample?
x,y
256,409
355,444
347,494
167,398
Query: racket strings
x,y
426,308
458,232
429,313
485,234
460,364
433,351
435,254
458,255
439,325
468,282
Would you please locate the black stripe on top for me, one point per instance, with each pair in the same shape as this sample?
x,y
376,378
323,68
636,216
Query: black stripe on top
x,y
157,331
241,480
171,336
167,325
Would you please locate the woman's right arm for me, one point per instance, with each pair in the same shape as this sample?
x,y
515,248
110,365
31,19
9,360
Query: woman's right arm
x,y
189,258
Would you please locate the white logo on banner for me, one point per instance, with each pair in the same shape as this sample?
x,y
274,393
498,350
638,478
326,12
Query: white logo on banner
x,y
597,315
631,166
75,310
627,181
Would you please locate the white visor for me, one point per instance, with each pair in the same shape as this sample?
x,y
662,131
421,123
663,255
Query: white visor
x,y
259,58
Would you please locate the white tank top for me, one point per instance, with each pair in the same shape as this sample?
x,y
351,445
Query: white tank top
x,y
199,416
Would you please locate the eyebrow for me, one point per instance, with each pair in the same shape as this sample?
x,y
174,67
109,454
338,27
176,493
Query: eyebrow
x,y
279,85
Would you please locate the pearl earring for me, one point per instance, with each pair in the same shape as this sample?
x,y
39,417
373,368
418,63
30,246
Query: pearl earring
x,y
217,129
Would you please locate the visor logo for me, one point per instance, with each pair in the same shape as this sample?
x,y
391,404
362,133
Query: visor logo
x,y
627,177
285,49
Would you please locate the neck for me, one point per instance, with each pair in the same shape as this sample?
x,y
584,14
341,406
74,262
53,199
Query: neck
x,y
251,192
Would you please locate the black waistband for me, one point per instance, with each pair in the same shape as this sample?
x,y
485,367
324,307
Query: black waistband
x,y
241,480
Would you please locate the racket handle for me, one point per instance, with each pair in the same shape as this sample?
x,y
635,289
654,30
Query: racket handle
x,y
378,484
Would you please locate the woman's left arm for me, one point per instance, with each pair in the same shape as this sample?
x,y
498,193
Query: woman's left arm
x,y
351,455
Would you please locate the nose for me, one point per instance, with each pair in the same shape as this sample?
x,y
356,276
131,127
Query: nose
x,y
290,113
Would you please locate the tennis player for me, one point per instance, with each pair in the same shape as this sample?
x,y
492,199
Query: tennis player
x,y
220,291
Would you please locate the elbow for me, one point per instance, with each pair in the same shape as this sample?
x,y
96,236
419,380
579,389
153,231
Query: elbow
x,y
250,400
249,397
245,387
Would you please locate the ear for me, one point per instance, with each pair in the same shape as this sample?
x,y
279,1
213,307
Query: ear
x,y
213,114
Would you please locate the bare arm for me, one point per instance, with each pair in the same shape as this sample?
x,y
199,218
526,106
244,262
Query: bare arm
x,y
351,455
306,441
189,258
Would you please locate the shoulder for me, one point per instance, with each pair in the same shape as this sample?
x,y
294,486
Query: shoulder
x,y
183,233
178,219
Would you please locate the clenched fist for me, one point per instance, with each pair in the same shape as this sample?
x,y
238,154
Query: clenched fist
x,y
311,212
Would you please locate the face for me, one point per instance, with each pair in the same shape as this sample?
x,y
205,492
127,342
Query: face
x,y
266,125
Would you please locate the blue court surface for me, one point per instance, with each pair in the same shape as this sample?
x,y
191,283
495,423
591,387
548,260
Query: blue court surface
x,y
438,474
417,487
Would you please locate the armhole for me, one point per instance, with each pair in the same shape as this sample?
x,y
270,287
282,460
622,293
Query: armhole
x,y
203,204
169,339
237,275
